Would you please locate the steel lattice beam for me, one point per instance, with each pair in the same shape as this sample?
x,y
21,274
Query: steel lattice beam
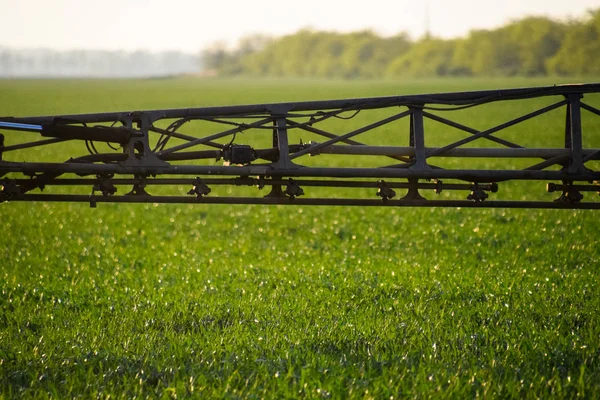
x,y
256,143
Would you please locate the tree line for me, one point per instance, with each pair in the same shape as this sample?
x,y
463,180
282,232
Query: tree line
x,y
16,63
532,46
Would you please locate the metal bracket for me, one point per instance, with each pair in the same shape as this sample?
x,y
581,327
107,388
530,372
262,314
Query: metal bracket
x,y
199,189
292,190
413,191
9,190
477,194
104,186
438,186
385,192
138,149
570,193
261,182
139,188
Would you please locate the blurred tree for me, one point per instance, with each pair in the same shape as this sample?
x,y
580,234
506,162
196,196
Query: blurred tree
x,y
215,57
359,50
537,39
428,57
580,50
530,46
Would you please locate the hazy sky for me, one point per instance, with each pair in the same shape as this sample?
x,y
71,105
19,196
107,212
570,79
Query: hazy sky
x,y
189,25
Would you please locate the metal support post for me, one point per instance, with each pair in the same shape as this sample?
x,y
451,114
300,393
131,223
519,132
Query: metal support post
x,y
417,139
573,138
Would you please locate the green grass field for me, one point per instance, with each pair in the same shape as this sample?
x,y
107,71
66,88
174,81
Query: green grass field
x,y
170,301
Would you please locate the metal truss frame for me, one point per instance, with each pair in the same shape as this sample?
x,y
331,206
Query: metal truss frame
x,y
145,154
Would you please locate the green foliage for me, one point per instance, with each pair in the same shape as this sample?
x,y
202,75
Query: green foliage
x,y
325,54
580,51
533,46
429,57
173,301
536,40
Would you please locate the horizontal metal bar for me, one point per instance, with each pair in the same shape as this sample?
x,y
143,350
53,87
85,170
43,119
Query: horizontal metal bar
x,y
391,151
305,202
33,144
556,187
458,152
120,135
455,98
245,181
266,170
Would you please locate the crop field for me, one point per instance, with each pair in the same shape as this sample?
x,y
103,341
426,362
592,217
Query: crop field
x,y
215,301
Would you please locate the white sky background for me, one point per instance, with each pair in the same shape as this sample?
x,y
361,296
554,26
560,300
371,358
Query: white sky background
x,y
190,26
